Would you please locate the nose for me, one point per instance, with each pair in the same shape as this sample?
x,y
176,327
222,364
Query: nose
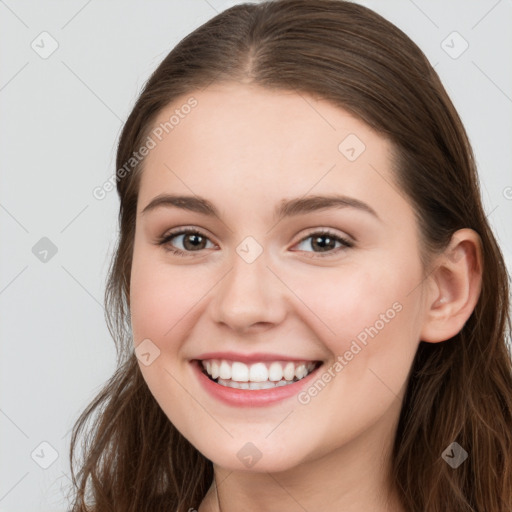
x,y
250,298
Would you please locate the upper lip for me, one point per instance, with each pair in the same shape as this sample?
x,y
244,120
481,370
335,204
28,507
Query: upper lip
x,y
252,358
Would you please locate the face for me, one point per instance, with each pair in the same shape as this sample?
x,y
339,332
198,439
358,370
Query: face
x,y
305,257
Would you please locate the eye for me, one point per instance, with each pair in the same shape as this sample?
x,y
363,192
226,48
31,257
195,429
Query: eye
x,y
325,241
192,240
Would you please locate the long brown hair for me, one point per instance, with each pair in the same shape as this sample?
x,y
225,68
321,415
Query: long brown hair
x,y
460,390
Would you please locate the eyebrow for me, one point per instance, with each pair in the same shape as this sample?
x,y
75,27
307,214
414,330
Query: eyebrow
x,y
286,208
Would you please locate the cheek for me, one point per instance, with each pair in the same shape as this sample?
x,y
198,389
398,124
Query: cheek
x,y
366,314
347,300
161,295
374,318
151,304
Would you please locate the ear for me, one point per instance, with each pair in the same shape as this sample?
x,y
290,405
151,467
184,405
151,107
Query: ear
x,y
453,287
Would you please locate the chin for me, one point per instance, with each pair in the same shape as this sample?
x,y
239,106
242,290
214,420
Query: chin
x,y
248,457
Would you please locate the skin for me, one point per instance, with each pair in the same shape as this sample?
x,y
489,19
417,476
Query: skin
x,y
245,149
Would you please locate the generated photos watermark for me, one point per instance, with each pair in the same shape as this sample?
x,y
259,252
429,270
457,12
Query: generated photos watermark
x,y
305,396
157,135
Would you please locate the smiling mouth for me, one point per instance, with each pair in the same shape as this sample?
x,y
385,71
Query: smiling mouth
x,y
260,375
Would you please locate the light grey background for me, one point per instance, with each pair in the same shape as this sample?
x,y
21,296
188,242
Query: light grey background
x,y
60,120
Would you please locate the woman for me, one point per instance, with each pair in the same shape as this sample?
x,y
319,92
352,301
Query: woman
x,y
309,304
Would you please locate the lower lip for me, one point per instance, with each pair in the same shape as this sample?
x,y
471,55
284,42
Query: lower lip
x,y
250,397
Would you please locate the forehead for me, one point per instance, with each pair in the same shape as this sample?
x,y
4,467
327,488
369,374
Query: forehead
x,y
287,123
259,145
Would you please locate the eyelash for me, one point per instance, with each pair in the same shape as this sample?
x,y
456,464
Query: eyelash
x,y
165,241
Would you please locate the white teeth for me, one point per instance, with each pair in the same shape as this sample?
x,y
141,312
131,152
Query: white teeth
x,y
239,372
289,371
261,385
258,373
215,370
252,385
275,372
225,370
301,371
236,374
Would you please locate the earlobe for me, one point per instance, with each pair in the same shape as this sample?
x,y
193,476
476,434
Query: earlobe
x,y
453,287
